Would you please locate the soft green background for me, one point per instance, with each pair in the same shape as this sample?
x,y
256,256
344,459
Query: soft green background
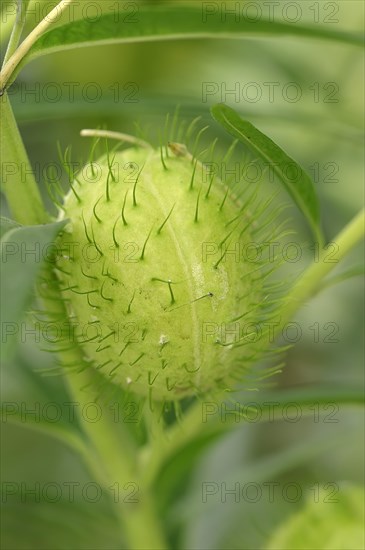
x,y
306,452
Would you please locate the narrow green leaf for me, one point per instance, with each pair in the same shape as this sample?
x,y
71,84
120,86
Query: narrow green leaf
x,y
11,16
358,271
264,468
18,183
23,253
187,445
6,225
331,521
295,180
16,33
50,522
175,472
60,431
308,396
139,23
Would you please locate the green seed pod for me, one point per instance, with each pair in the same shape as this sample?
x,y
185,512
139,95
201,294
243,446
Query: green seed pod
x,y
153,274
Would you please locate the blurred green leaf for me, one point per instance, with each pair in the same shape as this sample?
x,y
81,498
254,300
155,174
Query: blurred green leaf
x,y
6,225
25,4
325,523
174,471
57,523
221,517
357,271
192,442
61,431
22,257
174,475
24,386
298,184
138,23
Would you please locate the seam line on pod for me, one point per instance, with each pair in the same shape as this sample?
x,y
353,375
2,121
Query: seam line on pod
x,y
195,328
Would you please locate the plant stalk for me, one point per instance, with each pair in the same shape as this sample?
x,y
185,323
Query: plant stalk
x,y
23,49
142,526
18,183
118,471
22,6
311,280
113,456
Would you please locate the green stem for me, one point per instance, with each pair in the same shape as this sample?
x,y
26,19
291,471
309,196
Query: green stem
x,y
138,520
115,135
7,25
113,456
312,278
118,469
177,437
142,526
17,30
105,434
18,183
12,63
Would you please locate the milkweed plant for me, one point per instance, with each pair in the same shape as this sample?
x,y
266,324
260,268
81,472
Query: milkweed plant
x,y
141,280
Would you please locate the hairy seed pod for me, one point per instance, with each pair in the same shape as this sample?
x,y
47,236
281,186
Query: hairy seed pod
x,y
153,274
